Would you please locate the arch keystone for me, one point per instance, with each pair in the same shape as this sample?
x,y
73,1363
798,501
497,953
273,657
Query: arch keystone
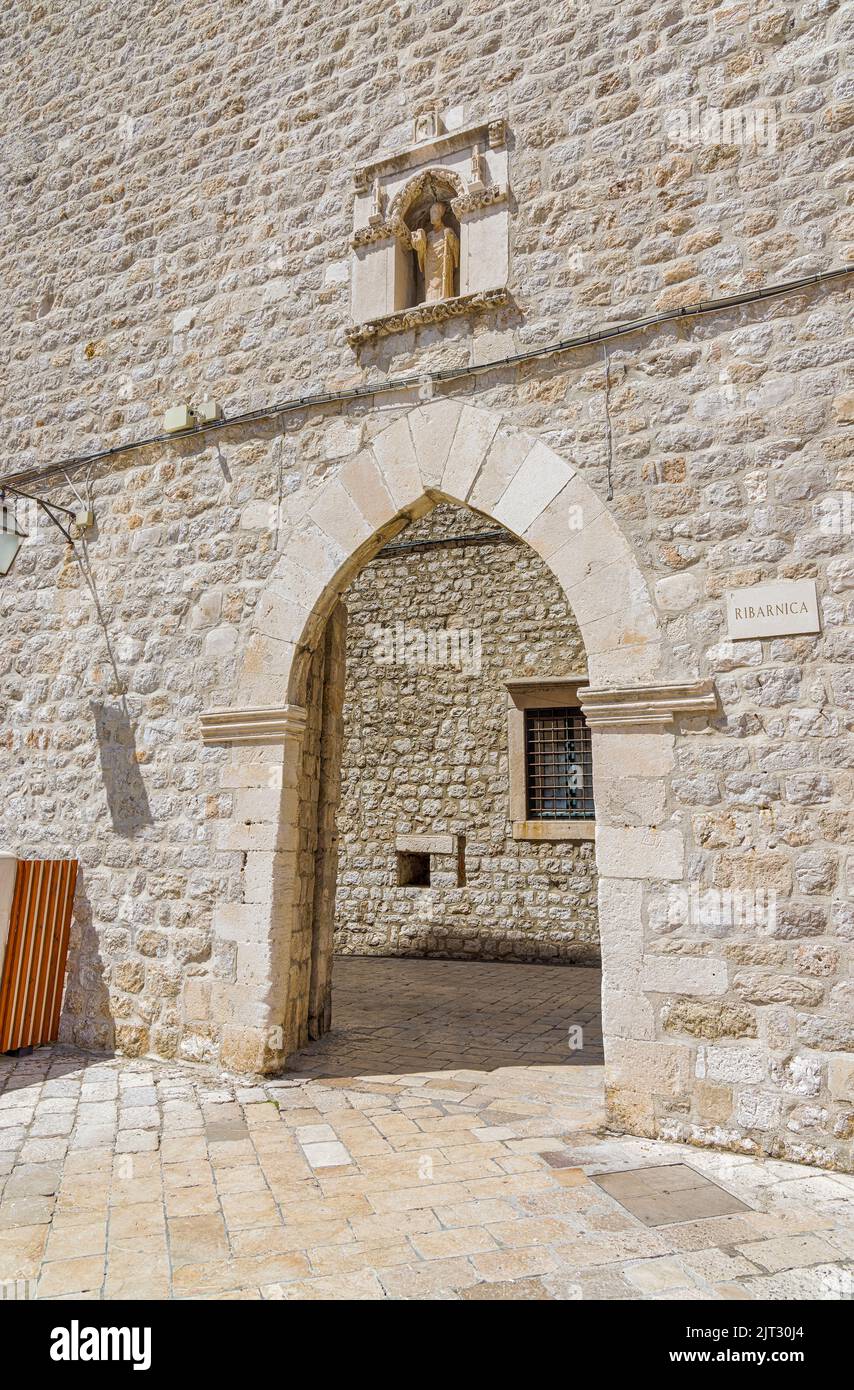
x,y
394,451
433,428
473,436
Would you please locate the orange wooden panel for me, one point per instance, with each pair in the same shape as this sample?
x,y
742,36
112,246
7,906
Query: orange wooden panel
x,y
40,941
14,948
58,974
36,952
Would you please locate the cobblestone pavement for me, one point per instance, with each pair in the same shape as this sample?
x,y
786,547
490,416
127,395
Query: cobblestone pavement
x,y
440,1143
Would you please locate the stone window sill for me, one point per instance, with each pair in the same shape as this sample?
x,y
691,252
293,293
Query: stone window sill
x,y
554,830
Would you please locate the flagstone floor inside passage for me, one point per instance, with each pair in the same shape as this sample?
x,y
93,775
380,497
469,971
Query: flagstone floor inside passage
x,y
445,1141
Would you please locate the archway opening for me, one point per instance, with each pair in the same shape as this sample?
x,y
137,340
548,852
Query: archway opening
x,y
283,715
454,915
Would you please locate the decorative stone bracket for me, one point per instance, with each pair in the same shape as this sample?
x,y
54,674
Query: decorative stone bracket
x,y
247,726
648,704
424,314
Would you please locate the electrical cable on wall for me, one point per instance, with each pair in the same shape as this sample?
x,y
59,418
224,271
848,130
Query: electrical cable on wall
x,y
608,440
442,375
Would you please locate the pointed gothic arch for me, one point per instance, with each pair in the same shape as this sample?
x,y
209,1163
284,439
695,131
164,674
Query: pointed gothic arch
x,y
467,454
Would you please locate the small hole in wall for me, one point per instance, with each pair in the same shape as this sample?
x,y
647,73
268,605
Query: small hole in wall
x,y
413,870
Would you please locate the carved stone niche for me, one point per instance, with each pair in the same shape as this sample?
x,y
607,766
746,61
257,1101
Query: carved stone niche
x,y
431,230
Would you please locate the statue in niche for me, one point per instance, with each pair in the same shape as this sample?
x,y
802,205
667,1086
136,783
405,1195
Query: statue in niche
x,y
437,250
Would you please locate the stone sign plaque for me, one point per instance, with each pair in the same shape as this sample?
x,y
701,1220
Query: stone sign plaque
x,y
787,606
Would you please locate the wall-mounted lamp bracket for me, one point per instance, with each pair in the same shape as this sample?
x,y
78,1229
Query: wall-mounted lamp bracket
x,y
49,508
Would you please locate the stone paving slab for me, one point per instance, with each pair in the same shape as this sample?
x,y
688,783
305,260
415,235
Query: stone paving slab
x,y
465,1174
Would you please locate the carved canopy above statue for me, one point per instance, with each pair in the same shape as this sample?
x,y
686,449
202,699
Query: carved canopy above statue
x,y
420,184
431,231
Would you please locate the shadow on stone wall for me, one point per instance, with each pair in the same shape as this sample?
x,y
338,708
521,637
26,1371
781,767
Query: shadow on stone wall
x,y
86,1015
127,799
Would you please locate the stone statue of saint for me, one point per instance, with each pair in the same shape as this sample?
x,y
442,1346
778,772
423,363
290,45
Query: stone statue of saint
x,y
438,252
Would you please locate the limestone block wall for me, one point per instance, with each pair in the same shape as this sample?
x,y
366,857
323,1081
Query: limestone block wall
x,y
174,222
721,1033
425,752
166,235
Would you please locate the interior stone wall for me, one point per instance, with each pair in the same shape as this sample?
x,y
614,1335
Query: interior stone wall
x,y
425,752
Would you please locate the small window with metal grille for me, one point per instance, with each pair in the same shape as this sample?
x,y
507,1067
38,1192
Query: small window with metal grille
x,y
558,765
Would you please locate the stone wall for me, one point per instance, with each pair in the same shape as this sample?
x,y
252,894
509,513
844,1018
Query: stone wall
x,y
426,752
178,186
175,222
